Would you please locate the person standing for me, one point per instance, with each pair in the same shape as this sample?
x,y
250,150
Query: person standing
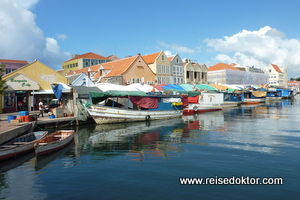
x,y
41,108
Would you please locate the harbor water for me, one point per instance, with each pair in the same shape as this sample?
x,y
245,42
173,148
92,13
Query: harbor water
x,y
247,152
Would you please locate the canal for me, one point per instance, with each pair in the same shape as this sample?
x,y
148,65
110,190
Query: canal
x,y
247,152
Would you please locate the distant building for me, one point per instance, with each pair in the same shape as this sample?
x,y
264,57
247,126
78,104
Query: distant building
x,y
294,85
127,71
222,73
177,70
161,66
12,65
277,75
84,61
194,73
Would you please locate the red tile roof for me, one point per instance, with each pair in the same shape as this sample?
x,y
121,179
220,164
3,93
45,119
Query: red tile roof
x,y
221,66
276,68
150,58
89,55
171,58
118,67
13,61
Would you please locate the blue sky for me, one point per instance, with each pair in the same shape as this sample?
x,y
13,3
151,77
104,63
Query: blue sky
x,y
246,32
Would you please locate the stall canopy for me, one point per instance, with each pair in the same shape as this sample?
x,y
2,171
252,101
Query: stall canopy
x,y
188,87
205,87
171,86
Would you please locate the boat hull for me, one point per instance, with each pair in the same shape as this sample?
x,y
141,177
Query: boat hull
x,y
42,147
199,108
15,149
106,115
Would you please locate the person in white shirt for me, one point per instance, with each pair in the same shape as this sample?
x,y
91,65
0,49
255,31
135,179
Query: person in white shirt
x,y
41,108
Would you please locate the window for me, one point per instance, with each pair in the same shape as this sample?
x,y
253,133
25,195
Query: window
x,y
162,57
177,60
187,75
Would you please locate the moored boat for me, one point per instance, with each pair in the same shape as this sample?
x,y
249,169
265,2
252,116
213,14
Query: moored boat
x,y
254,97
54,141
206,102
20,145
130,106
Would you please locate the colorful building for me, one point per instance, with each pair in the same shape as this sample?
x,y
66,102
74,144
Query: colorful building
x,y
161,66
84,61
12,65
27,85
127,71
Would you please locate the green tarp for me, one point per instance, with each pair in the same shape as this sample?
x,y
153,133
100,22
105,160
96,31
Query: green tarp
x,y
101,96
205,87
189,93
117,93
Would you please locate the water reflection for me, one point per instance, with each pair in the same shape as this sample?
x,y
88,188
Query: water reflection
x,y
134,138
268,129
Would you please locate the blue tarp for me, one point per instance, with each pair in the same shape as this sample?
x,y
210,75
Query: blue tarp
x,y
171,86
58,91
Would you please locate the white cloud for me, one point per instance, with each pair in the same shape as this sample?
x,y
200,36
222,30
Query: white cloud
x,y
169,53
62,36
177,48
22,39
259,48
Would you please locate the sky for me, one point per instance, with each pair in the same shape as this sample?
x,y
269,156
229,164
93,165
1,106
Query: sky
x,y
246,32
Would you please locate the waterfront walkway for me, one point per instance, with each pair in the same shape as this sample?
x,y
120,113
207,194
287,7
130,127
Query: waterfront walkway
x,y
13,129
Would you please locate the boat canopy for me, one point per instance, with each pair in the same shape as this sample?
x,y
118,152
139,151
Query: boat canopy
x,y
117,93
182,92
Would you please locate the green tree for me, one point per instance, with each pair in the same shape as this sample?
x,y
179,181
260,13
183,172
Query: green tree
x,y
2,82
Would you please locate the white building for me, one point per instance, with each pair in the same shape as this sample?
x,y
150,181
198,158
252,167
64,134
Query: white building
x,y
277,76
222,73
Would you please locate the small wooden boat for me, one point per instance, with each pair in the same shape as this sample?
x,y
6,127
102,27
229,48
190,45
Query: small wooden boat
x,y
21,145
54,141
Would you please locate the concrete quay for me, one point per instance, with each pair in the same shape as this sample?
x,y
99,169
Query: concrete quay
x,y
9,131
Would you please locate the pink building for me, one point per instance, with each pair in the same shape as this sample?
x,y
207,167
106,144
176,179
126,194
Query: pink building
x,y
12,65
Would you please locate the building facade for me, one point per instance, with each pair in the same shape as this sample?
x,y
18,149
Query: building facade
x,y
222,73
194,73
277,75
160,66
27,85
127,71
83,61
177,70
12,65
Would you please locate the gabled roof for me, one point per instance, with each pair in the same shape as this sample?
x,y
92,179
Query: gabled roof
x,y
221,66
171,58
276,68
118,67
150,58
13,61
85,70
89,55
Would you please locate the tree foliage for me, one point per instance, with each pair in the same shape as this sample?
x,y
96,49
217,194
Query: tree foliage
x,y
2,82
296,79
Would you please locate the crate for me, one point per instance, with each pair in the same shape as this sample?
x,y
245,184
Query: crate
x,y
23,113
15,121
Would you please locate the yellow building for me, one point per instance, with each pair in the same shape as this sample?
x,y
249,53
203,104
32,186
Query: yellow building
x,y
83,61
161,66
27,85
